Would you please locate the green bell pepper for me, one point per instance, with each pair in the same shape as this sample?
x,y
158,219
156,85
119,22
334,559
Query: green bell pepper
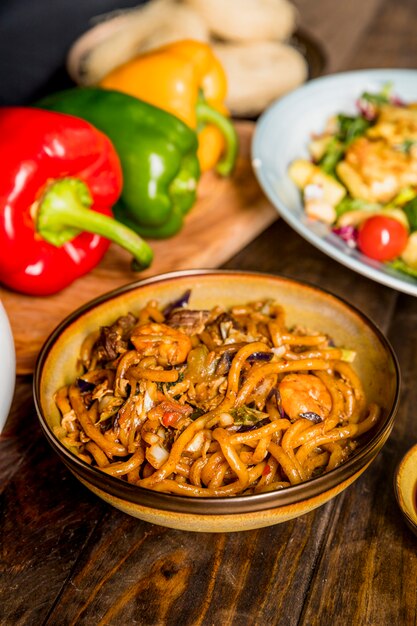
x,y
158,153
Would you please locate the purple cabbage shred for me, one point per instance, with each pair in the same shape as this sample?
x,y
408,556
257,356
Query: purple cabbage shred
x,y
349,234
260,356
181,302
367,109
397,102
245,429
275,394
84,385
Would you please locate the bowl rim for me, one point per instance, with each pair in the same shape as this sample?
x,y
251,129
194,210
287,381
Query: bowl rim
x,y
410,520
226,504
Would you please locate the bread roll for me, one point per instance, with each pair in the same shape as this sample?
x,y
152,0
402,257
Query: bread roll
x,y
247,20
258,73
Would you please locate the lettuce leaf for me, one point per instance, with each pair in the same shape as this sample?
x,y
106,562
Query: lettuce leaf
x,y
400,266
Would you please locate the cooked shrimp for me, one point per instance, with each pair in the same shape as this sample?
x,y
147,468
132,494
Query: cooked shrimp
x,y
168,345
376,171
304,393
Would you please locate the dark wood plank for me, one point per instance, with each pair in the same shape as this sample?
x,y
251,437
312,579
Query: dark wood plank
x,y
340,27
369,541
135,573
391,42
46,518
18,433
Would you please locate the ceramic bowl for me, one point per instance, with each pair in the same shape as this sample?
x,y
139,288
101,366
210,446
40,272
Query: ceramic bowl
x,y
282,135
304,304
7,367
405,487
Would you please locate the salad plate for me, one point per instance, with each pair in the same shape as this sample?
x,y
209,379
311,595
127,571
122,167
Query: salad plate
x,y
282,135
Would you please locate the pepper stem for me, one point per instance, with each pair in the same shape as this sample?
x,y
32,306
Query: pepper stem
x,y
207,114
64,212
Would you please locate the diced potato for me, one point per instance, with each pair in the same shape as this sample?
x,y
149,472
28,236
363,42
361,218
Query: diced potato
x,y
409,256
319,210
333,192
317,147
300,172
305,173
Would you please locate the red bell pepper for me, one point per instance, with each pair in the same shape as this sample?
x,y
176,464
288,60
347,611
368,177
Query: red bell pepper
x,y
60,177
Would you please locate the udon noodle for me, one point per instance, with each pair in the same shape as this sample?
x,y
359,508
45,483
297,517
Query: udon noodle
x,y
213,402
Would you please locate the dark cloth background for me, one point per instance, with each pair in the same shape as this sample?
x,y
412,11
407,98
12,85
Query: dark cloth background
x,y
35,36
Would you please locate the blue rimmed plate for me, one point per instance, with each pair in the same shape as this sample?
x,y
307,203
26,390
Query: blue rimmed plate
x,y
282,134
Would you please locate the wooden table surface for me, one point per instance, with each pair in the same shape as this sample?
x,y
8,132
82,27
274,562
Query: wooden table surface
x,y
68,558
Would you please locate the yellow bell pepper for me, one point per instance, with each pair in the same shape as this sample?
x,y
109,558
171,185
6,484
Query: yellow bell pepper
x,y
187,80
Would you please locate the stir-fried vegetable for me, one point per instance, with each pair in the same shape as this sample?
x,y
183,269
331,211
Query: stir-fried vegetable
x,y
382,238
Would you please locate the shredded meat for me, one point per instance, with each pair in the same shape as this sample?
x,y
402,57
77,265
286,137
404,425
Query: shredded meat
x,y
114,339
189,322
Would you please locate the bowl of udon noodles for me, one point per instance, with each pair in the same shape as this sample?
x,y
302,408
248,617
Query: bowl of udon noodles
x,y
216,400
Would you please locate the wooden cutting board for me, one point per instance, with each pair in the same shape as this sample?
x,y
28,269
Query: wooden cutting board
x,y
228,214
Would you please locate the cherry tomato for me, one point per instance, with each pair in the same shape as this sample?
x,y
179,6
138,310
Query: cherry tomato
x,y
382,238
